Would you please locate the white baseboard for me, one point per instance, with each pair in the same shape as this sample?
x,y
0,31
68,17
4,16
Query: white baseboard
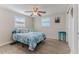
x,y
5,43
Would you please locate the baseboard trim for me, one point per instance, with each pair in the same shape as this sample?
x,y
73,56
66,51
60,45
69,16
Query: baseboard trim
x,y
5,43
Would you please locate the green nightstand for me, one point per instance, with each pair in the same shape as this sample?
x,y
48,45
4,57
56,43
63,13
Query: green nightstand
x,y
62,36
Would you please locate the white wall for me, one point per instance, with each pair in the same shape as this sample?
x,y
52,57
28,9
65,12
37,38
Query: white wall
x,y
52,31
70,31
75,27
29,22
7,24
78,29
72,28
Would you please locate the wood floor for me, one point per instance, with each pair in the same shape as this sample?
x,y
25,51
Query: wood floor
x,y
49,46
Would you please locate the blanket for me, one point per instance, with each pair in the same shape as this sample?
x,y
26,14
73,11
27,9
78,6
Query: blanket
x,y
30,38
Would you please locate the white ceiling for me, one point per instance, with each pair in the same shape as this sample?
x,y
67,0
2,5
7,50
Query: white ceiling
x,y
49,8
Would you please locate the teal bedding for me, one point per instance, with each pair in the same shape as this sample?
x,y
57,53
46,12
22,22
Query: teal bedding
x,y
30,38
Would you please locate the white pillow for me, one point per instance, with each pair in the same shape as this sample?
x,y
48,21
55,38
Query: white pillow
x,y
22,30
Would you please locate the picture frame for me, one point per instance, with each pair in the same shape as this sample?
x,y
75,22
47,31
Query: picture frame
x,y
57,19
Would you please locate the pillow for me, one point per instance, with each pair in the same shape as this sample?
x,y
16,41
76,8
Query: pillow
x,y
21,30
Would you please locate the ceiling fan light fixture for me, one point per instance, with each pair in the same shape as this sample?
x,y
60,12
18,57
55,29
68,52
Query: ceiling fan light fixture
x,y
34,13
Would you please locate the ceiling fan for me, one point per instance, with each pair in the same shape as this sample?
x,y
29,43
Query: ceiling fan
x,y
36,12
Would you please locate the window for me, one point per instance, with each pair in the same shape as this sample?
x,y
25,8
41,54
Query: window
x,y
19,21
45,22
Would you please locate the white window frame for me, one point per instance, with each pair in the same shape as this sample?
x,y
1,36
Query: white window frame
x,y
19,21
45,22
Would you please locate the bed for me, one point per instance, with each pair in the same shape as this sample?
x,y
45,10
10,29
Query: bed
x,y
28,37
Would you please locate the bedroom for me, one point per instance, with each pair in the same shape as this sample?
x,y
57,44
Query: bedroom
x,y
52,21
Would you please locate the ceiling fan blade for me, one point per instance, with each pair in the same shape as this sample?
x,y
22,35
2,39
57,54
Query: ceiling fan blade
x,y
35,9
28,11
42,11
38,14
